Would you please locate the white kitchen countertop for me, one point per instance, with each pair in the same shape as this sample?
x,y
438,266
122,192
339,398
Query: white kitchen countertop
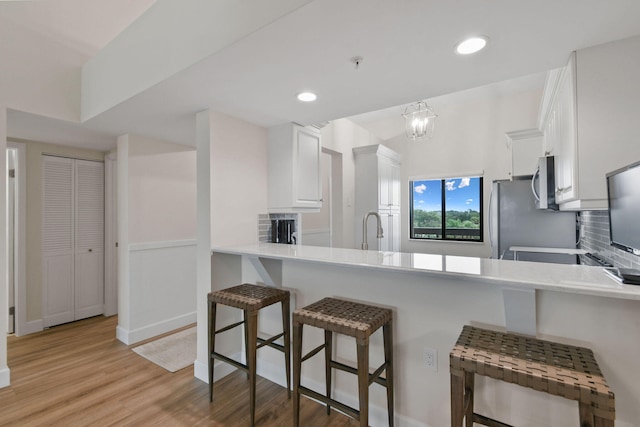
x,y
579,279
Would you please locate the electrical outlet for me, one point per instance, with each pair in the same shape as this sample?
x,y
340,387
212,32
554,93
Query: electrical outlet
x,y
431,358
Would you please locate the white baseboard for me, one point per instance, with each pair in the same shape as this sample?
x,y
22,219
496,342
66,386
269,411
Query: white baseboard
x,y
136,335
5,378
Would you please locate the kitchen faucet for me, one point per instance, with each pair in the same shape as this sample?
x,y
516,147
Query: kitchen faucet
x,y
365,245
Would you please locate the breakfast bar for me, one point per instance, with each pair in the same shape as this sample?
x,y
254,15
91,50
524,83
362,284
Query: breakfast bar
x,y
432,297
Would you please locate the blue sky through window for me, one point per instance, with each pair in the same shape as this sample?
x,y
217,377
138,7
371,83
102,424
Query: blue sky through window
x,y
462,194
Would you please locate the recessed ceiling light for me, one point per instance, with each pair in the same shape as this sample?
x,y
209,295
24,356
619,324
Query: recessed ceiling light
x,y
307,96
471,45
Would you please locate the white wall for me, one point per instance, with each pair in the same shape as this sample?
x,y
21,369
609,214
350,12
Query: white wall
x,y
469,137
162,191
342,136
232,190
37,74
4,292
238,179
156,234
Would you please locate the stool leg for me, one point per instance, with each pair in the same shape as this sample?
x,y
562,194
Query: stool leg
x,y
252,327
297,362
212,344
602,422
246,339
363,380
586,416
457,400
287,343
328,355
469,381
388,359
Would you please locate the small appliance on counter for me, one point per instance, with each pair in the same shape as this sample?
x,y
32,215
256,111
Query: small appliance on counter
x,y
283,231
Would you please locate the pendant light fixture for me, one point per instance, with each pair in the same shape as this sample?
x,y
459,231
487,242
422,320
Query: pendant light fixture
x,y
419,121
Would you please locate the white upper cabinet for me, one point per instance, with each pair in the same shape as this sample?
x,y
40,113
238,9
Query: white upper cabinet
x,y
295,183
377,177
588,117
377,189
388,183
526,147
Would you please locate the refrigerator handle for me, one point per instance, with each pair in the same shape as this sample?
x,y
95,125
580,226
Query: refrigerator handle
x,y
533,187
491,221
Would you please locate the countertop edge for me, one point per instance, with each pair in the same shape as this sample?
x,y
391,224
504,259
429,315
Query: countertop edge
x,y
595,282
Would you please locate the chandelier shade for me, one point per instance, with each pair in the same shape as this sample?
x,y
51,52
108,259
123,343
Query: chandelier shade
x,y
419,121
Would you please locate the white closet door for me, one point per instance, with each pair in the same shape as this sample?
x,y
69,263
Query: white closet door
x,y
57,240
89,239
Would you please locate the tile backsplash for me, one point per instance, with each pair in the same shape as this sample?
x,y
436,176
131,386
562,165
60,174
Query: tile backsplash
x,y
595,240
264,224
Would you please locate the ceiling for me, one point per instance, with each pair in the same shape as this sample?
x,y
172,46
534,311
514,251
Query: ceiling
x,y
407,48
83,25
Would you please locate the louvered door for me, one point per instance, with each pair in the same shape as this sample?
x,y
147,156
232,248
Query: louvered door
x,y
89,239
57,240
72,239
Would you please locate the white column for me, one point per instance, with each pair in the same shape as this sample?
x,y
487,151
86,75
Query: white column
x,y
124,315
203,163
4,290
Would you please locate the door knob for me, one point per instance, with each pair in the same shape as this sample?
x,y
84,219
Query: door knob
x,y
90,250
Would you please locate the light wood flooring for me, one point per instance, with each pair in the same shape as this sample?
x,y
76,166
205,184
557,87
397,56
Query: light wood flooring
x,y
78,374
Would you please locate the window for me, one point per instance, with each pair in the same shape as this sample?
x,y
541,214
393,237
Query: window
x,y
446,209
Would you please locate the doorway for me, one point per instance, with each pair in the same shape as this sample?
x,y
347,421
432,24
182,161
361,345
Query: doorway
x,y
11,209
324,228
16,237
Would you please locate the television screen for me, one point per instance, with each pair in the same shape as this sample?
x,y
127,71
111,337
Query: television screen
x,y
623,189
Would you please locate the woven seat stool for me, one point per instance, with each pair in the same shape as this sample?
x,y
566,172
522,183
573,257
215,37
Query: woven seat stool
x,y
250,299
557,369
352,319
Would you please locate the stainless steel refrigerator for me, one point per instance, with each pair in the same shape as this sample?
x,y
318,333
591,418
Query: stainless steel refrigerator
x,y
515,221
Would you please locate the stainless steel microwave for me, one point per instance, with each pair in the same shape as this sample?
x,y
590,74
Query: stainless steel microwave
x,y
543,183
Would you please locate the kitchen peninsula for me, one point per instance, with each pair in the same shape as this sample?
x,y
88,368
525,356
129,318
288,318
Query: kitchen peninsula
x,y
433,296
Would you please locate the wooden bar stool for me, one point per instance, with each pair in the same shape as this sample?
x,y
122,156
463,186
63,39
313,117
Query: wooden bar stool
x,y
558,369
250,299
355,320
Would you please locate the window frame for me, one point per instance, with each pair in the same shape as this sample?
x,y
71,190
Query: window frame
x,y
443,210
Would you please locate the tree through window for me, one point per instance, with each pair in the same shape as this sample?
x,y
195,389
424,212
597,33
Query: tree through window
x,y
446,209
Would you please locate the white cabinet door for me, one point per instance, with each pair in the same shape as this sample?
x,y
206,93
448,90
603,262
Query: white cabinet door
x,y
384,183
295,183
72,239
565,137
306,166
392,231
526,148
57,240
388,183
395,187
89,239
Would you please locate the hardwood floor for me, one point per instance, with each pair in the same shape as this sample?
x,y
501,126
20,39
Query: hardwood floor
x,y
78,374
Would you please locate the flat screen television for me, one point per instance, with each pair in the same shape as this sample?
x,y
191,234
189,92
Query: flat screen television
x,y
623,192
